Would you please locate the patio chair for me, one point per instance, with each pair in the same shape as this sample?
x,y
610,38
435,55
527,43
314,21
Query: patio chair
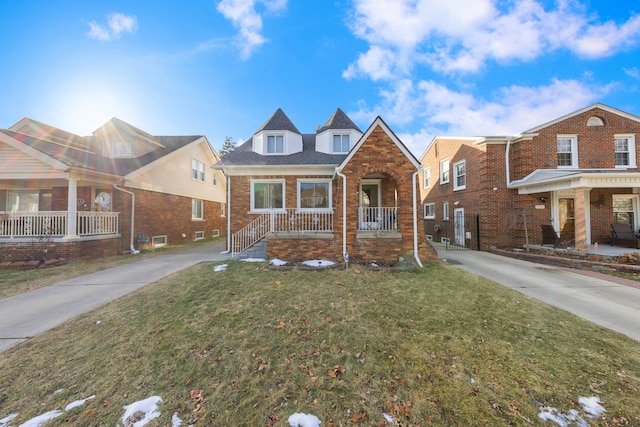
x,y
551,237
623,235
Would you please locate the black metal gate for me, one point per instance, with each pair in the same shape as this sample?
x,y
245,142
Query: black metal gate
x,y
462,232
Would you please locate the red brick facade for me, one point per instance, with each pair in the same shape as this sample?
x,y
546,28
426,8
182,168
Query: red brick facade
x,y
503,211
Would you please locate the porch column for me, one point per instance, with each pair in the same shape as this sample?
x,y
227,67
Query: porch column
x,y
580,212
72,209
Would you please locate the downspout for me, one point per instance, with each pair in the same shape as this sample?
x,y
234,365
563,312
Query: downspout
x,y
506,160
415,218
228,216
133,211
344,213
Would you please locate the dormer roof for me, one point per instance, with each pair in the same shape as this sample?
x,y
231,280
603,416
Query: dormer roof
x,y
339,120
279,121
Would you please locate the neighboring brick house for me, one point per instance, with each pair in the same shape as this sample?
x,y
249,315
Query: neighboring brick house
x,y
321,195
115,191
578,173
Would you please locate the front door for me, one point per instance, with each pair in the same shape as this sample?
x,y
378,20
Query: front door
x,y
369,204
458,224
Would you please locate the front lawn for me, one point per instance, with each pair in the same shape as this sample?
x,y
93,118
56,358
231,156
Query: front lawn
x,y
251,346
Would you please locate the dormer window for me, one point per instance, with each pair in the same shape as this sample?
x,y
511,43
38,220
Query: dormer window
x,y
275,144
121,149
341,143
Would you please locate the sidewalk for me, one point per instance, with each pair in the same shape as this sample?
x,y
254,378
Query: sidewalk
x,y
32,313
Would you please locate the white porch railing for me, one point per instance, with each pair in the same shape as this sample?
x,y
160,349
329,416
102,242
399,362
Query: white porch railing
x,y
281,221
378,219
54,223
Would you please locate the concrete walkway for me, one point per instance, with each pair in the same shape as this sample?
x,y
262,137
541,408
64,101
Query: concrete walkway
x,y
605,300
32,313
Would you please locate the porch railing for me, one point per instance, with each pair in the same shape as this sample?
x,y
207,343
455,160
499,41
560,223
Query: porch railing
x,y
287,220
378,219
54,223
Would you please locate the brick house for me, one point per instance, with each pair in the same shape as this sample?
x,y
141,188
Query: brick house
x,y
578,173
321,195
118,190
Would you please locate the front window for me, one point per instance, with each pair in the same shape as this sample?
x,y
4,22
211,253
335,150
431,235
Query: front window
x,y
625,150
197,170
460,171
275,144
267,195
341,143
121,149
444,171
314,195
31,200
623,210
223,209
567,147
197,209
430,211
427,177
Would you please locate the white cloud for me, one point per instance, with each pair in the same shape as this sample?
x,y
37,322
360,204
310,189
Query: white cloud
x,y
633,72
462,35
246,18
439,110
117,23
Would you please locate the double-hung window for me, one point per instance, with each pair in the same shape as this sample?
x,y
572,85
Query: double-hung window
x,y
445,211
268,194
197,170
567,148
444,171
275,144
341,143
460,175
197,209
430,211
426,174
314,194
625,150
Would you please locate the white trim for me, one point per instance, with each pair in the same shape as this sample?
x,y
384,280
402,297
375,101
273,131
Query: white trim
x,y
157,245
457,187
315,181
426,177
631,138
268,181
591,107
443,170
574,151
433,211
445,210
197,218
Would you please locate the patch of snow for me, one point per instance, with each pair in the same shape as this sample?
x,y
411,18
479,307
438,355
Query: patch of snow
x,y
253,260
389,418
278,262
318,263
300,419
473,380
60,390
591,406
373,265
98,322
77,403
563,420
145,411
41,419
221,267
5,421
175,420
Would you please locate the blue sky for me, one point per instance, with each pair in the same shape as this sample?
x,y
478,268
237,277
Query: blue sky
x,y
222,67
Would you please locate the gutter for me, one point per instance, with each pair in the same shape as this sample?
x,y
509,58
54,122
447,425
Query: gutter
x,y
344,213
133,211
415,219
506,160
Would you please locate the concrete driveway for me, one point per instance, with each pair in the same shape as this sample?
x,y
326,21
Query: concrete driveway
x,y
32,313
607,301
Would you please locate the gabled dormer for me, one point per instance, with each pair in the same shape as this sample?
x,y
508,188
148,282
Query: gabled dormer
x,y
277,136
119,139
338,135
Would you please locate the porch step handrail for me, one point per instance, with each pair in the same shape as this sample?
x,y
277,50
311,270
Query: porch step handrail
x,y
290,220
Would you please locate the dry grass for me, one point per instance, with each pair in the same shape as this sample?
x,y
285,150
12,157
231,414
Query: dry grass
x,y
250,346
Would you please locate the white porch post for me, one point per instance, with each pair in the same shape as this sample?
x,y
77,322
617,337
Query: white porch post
x,y
72,209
